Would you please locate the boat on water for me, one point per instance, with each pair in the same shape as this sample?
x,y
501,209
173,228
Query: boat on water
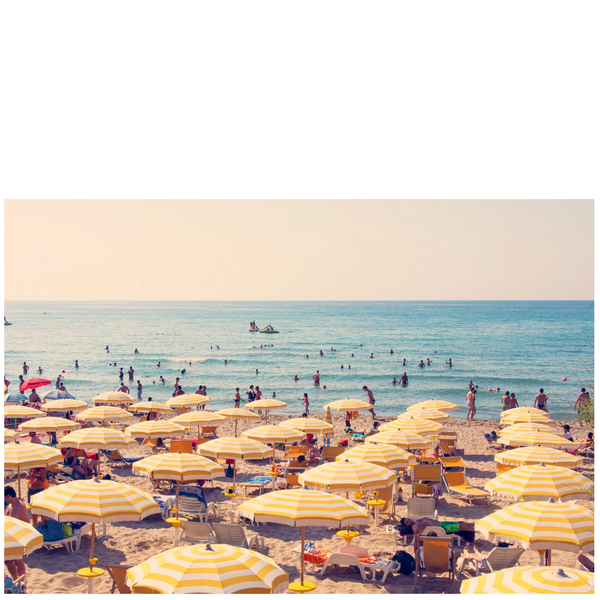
x,y
268,329
253,326
6,322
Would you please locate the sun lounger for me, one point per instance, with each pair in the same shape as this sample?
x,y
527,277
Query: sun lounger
x,y
496,560
73,543
348,560
236,535
437,557
209,431
117,458
118,574
416,508
430,473
166,505
195,533
331,452
457,483
453,462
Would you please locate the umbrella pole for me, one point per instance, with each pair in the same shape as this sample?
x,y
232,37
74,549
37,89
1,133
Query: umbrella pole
x,y
177,498
235,431
19,480
302,558
92,547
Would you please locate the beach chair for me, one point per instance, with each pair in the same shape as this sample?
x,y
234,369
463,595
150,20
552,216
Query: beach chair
x,y
166,505
500,468
181,410
195,507
445,449
343,559
420,473
458,483
496,560
236,535
118,574
293,452
117,459
331,452
388,494
209,431
453,462
416,508
436,556
73,543
184,446
195,533
291,481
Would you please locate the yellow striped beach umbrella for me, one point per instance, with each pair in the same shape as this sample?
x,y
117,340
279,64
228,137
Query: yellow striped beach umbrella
x,y
303,508
536,438
64,405
151,407
384,455
113,398
266,404
348,404
103,413
10,434
540,482
155,429
198,418
309,425
531,580
347,476
441,405
188,400
529,428
49,424
533,415
426,413
20,538
22,412
239,413
403,439
28,456
94,438
418,425
534,455
95,501
541,526
208,569
272,434
525,410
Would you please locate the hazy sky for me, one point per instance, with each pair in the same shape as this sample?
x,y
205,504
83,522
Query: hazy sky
x,y
299,250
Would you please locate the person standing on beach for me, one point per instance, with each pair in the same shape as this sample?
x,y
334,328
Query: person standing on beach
x,y
471,404
305,400
139,389
505,401
371,399
541,401
317,378
237,398
123,389
582,402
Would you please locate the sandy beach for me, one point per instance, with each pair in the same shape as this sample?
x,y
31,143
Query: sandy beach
x,y
53,571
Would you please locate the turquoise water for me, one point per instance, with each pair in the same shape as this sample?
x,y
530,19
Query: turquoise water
x,y
517,346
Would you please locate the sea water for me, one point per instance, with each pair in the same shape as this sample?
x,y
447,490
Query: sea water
x,y
516,346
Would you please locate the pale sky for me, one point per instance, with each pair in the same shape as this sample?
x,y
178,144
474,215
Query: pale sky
x,y
298,250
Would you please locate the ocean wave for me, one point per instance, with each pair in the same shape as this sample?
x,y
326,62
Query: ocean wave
x,y
182,360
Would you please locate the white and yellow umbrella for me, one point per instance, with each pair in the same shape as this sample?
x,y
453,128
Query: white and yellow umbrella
x,y
208,569
94,501
536,438
540,482
534,455
384,455
239,413
403,439
28,456
512,419
94,438
531,580
266,404
178,467
530,427
418,425
525,410
273,434
348,404
103,413
541,526
113,398
22,412
151,407
20,539
199,418
441,405
10,434
188,400
426,413
155,429
233,448
49,424
64,405
309,425
347,476
303,508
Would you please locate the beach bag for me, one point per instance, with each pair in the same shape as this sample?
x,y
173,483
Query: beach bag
x,y
67,530
406,562
52,531
229,472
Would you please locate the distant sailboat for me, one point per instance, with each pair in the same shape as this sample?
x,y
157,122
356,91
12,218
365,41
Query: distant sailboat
x,y
6,322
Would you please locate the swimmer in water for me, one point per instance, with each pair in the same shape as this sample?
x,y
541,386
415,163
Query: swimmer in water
x,y
371,355
342,367
449,363
107,349
421,364
77,364
403,362
225,362
391,351
428,362
394,382
295,377
158,364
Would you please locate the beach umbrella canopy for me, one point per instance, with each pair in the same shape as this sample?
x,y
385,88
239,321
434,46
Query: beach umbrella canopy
x,y
235,449
525,410
199,417
113,398
265,404
22,412
10,434
426,413
56,394
534,455
20,538
441,405
303,508
64,405
94,438
33,383
540,482
187,400
28,456
309,425
208,569
271,434
383,455
410,423
536,438
151,407
403,439
531,580
238,413
525,418
155,429
541,526
49,424
347,476
348,404
16,397
103,413
529,427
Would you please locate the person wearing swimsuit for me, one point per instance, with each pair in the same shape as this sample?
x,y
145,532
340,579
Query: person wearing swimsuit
x,y
506,401
541,401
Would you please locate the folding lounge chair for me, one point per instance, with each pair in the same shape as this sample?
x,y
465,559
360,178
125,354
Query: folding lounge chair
x,y
421,473
415,509
236,535
496,560
437,557
348,560
194,507
453,462
331,452
118,574
195,533
166,505
457,483
117,458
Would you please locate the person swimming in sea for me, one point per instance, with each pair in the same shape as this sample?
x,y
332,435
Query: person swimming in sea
x,y
421,364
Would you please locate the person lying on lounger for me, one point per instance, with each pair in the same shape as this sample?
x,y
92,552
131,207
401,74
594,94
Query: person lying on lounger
x,y
409,527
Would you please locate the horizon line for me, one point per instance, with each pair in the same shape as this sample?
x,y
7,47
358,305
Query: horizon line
x,y
304,301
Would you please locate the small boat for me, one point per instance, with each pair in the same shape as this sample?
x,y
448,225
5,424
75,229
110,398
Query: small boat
x,y
6,322
253,326
268,329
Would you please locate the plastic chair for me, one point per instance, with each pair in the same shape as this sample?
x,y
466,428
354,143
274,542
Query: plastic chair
x,y
347,560
457,482
236,535
196,508
416,508
118,574
437,557
496,560
195,533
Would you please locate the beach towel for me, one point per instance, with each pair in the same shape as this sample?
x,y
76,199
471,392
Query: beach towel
x,y
258,480
192,491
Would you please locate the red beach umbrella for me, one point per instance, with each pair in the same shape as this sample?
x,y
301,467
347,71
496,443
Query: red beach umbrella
x,y
34,382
